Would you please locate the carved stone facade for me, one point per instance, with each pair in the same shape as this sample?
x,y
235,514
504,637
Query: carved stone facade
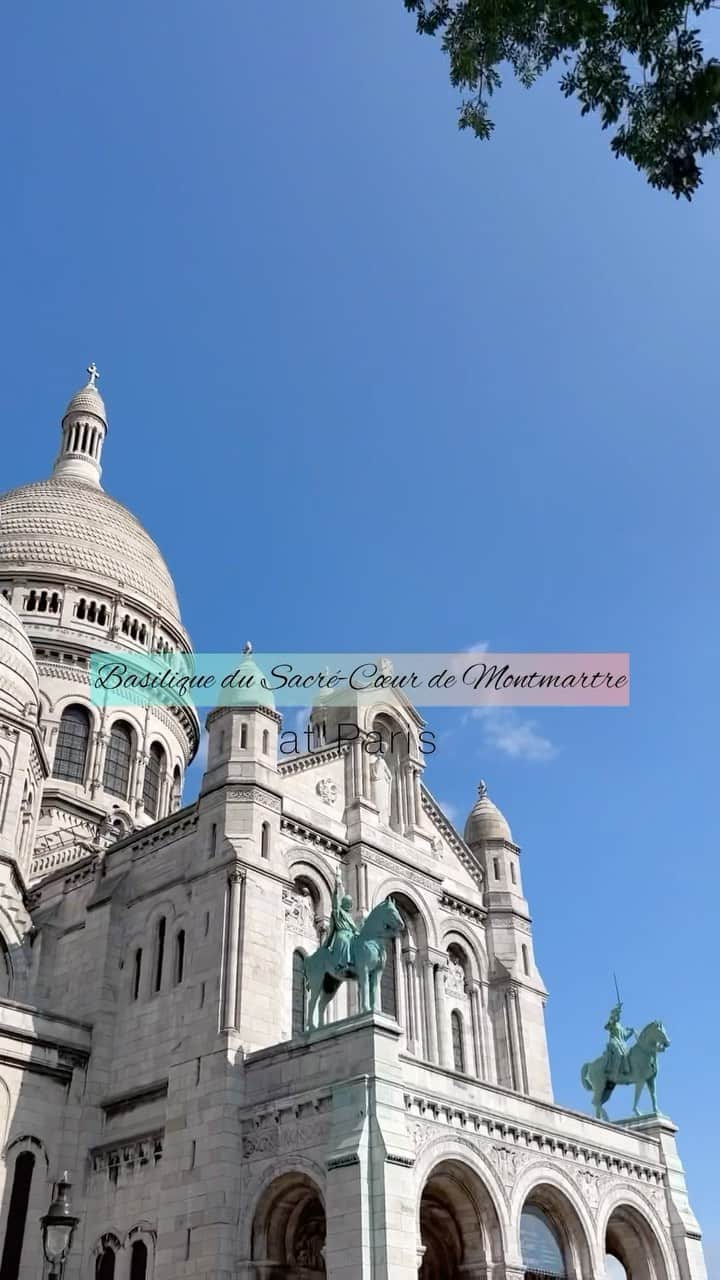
x,y
152,999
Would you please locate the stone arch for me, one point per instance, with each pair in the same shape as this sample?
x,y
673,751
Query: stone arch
x,y
457,933
630,1229
15,951
75,700
396,888
557,1197
305,862
158,948
28,1142
288,1227
142,1235
459,1219
108,1242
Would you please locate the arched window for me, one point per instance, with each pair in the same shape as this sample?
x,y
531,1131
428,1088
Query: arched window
x,y
154,770
179,956
388,982
525,959
105,1264
138,1260
265,840
265,742
5,970
116,776
298,993
137,973
212,843
458,1045
159,952
72,745
542,1252
17,1216
176,788
496,868
243,736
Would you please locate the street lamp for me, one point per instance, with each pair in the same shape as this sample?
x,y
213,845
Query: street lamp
x,y
57,1229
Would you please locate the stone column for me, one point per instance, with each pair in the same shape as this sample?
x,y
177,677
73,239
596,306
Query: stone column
x,y
431,1011
357,768
519,1074
163,801
232,949
477,1029
137,774
444,1046
97,761
366,783
400,990
409,799
409,975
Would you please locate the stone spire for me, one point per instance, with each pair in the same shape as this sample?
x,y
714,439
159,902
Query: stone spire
x,y
84,427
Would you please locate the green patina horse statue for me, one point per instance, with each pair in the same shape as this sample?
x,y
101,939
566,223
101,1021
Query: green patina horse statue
x,y
366,957
639,1067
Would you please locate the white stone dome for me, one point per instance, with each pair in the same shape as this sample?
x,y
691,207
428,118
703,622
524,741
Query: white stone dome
x,y
485,821
68,526
87,400
19,683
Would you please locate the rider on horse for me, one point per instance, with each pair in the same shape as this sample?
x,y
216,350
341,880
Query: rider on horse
x,y
342,928
616,1054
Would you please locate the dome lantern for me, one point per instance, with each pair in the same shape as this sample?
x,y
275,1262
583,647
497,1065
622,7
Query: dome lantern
x,y
84,427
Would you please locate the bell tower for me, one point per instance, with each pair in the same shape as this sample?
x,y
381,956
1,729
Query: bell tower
x,y
517,992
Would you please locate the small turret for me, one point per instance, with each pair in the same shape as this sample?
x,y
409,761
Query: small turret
x,y
243,732
84,427
517,993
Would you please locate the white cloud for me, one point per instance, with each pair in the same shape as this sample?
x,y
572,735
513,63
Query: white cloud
x,y
506,731
480,646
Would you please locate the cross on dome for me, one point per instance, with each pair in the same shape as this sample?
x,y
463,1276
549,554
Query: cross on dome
x,y
94,373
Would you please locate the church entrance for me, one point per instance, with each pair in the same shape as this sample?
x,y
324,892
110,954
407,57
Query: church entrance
x,y
289,1230
459,1230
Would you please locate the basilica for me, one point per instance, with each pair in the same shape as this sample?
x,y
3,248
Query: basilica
x,y
154,1051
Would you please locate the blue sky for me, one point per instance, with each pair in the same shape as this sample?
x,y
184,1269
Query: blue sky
x,y
373,384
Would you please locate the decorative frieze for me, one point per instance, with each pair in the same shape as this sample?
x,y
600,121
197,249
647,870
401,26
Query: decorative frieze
x,y
398,867
308,835
459,907
256,795
291,1128
315,758
509,1145
127,1158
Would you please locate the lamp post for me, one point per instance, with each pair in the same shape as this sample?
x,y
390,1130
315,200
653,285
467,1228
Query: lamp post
x,y
58,1226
